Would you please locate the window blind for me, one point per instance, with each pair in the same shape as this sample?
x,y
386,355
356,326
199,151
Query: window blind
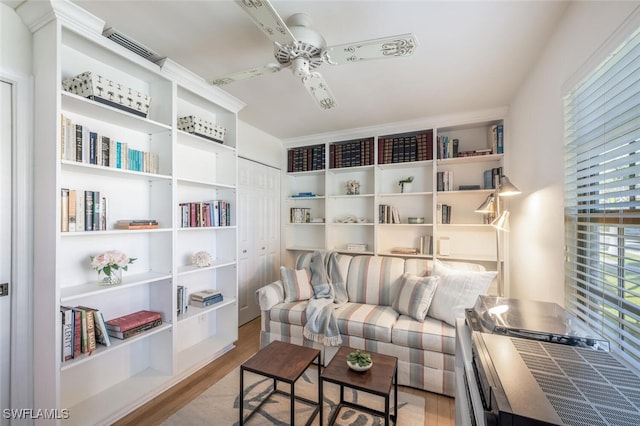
x,y
602,199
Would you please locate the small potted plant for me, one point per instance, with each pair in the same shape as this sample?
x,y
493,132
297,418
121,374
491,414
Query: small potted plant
x,y
359,360
405,184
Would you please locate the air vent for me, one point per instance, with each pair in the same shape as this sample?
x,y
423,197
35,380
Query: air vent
x,y
133,46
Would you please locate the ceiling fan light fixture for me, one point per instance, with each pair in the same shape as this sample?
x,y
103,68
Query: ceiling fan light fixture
x,y
300,67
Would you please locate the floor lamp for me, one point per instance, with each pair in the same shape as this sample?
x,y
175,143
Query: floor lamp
x,y
491,206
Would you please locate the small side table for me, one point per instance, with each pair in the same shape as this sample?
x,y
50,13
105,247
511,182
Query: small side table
x,y
283,362
378,380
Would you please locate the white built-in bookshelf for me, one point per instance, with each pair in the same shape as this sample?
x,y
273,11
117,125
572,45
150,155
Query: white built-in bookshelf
x,y
399,154
100,387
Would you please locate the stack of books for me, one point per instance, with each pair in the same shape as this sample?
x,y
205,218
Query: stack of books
x,y
204,298
133,324
137,224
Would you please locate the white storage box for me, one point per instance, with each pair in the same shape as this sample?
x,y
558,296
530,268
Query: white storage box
x,y
198,126
100,89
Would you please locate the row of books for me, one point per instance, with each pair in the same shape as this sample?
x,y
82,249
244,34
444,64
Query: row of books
x,y
183,306
307,158
300,215
405,148
443,213
83,328
204,298
388,214
351,154
82,211
496,138
492,178
205,214
79,143
444,180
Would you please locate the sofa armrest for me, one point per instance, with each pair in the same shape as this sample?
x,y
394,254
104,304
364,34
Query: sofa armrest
x,y
270,295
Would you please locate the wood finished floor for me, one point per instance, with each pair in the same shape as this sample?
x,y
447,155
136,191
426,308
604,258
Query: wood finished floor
x,y
439,409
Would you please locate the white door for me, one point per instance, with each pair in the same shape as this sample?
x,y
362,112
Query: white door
x,y
6,126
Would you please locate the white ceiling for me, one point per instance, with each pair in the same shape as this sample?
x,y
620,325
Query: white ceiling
x,y
471,55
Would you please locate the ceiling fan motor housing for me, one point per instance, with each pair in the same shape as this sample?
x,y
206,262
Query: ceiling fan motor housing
x,y
310,43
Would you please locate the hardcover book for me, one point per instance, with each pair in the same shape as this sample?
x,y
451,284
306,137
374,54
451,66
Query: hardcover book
x,y
135,330
135,319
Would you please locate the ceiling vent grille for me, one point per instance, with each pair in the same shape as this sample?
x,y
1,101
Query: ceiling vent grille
x,y
133,46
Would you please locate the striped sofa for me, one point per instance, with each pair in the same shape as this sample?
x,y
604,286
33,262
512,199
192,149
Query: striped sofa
x,y
425,350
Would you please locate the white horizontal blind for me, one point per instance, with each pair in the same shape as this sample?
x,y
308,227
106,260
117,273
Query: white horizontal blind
x,y
602,199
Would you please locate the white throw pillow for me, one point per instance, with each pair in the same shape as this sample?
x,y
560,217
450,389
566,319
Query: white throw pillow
x,y
456,291
415,295
296,283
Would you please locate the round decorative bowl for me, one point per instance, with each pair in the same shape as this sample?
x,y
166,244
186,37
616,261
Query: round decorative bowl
x,y
416,220
356,367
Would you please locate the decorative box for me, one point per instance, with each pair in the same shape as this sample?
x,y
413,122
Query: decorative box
x,y
100,89
203,128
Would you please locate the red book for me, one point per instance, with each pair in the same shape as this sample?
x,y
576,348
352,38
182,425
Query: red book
x,y
133,320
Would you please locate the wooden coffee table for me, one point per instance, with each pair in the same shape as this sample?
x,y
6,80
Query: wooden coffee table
x,y
378,380
283,362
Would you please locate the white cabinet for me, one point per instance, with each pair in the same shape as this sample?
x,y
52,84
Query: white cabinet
x,y
365,222
100,387
259,236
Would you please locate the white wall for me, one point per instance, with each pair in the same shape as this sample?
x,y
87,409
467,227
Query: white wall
x,y
255,144
15,42
535,157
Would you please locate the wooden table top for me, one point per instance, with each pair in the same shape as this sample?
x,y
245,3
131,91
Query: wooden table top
x,y
378,379
282,360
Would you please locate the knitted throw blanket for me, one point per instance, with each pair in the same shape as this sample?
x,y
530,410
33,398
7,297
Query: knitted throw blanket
x,y
329,291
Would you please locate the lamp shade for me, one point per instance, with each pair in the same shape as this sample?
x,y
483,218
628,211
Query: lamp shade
x,y
507,189
501,223
488,206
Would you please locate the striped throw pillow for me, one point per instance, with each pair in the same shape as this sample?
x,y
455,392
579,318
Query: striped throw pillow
x,y
296,283
415,295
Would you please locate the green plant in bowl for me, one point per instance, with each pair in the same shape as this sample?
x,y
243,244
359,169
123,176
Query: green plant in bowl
x,y
359,360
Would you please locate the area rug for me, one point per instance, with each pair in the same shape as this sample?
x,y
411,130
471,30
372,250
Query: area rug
x,y
219,404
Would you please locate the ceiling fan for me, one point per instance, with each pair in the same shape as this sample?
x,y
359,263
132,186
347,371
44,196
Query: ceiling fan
x,y
303,49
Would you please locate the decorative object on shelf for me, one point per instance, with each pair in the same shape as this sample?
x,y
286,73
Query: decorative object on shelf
x,y
351,219
202,259
110,265
203,128
359,360
100,89
405,184
416,220
353,187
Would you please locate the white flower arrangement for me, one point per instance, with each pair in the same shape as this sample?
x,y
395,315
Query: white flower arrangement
x,y
353,187
202,259
110,261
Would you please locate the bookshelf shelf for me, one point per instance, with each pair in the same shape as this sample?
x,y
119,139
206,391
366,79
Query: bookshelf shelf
x,y
178,168
86,107
194,312
115,345
73,293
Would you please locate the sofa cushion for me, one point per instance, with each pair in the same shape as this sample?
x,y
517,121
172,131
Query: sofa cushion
x,y
343,262
290,313
373,322
297,285
374,280
456,291
432,334
415,295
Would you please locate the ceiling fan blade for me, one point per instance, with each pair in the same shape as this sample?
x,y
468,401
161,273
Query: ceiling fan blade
x,y
243,75
379,48
318,88
268,20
